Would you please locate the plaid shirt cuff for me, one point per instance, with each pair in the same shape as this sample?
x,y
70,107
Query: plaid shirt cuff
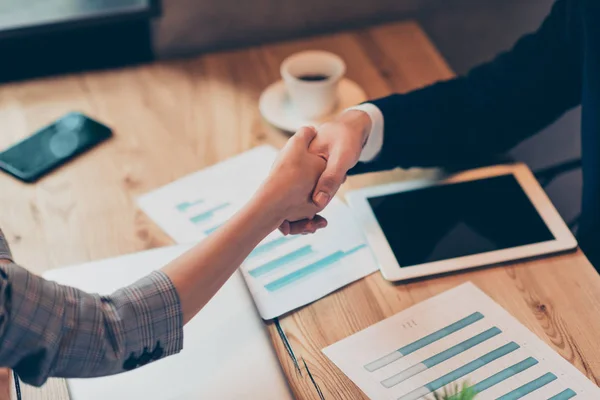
x,y
47,329
152,318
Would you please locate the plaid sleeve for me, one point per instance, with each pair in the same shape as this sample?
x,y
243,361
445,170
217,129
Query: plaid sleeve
x,y
4,249
47,329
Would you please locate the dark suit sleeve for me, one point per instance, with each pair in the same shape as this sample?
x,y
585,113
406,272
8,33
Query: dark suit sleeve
x,y
493,107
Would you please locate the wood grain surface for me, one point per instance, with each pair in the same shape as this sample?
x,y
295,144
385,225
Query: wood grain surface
x,y
173,118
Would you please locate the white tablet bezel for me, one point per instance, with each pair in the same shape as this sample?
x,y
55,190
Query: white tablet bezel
x,y
391,270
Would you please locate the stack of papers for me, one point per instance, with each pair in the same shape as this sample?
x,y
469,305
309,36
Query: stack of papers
x,y
283,272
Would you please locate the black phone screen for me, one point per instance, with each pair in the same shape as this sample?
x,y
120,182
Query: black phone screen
x,y
52,146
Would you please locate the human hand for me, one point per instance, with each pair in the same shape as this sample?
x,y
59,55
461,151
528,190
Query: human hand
x,y
340,142
289,187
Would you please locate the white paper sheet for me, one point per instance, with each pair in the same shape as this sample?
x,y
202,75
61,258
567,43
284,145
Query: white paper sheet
x,y
283,273
190,208
287,272
460,336
227,351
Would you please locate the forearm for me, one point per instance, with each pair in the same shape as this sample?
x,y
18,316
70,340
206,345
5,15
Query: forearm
x,y
47,329
199,274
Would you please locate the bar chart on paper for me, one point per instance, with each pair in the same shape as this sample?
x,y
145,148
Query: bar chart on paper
x,y
206,215
283,272
286,272
459,338
196,205
312,262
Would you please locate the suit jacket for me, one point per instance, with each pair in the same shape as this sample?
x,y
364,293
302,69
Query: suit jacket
x,y
47,329
502,102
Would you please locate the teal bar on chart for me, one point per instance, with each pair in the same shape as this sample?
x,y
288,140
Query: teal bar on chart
x,y
354,250
442,333
529,387
301,273
182,207
268,246
424,341
504,374
311,268
461,347
564,395
214,228
472,366
206,215
281,261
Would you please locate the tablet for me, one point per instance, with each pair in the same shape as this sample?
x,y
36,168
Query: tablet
x,y
475,218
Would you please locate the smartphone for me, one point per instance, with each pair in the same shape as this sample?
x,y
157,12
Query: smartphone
x,y
52,146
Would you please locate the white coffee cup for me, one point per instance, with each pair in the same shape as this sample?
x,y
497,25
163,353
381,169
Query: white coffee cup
x,y
311,79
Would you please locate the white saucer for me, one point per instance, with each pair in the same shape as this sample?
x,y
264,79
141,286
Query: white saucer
x,y
276,108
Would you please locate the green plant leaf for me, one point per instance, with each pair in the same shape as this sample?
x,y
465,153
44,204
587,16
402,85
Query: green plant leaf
x,y
456,392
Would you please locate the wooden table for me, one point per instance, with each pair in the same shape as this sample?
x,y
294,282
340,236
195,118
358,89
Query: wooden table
x,y
172,118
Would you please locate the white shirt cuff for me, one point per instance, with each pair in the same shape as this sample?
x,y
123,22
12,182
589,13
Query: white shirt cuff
x,y
375,139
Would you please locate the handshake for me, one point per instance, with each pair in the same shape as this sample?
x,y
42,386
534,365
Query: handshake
x,y
310,169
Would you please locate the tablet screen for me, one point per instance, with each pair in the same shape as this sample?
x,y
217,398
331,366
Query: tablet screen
x,y
459,219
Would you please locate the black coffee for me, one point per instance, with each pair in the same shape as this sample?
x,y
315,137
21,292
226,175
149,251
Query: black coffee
x,y
313,77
